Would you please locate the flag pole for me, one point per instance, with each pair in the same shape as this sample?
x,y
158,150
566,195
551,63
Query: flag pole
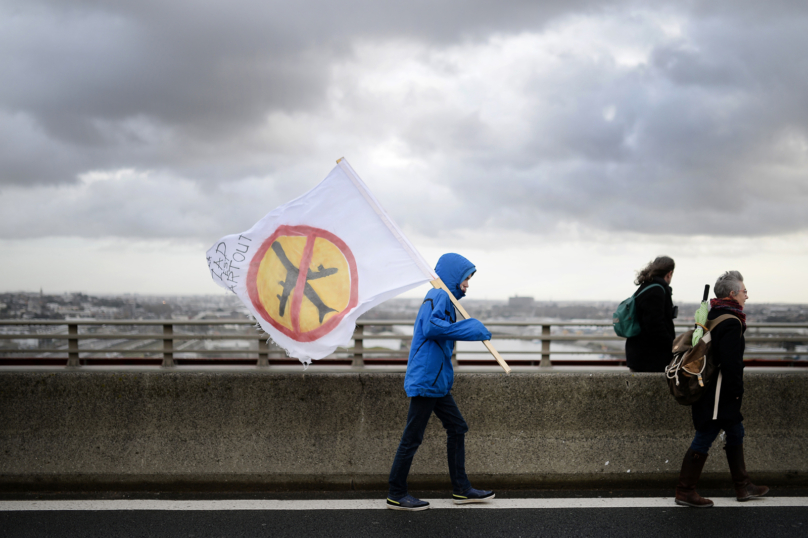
x,y
438,284
410,248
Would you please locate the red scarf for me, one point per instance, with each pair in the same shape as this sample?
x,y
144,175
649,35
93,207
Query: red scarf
x,y
731,305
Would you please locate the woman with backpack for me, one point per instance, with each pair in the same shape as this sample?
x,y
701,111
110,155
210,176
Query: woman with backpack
x,y
650,351
719,407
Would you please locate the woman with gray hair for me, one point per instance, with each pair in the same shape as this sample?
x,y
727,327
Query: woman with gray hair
x,y
719,408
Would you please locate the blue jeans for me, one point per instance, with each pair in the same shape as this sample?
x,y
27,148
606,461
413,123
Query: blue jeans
x,y
704,439
421,409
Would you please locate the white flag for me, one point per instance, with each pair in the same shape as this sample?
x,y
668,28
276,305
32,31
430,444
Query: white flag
x,y
311,267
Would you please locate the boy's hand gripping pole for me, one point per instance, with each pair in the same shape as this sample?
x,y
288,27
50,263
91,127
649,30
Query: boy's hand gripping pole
x,y
438,284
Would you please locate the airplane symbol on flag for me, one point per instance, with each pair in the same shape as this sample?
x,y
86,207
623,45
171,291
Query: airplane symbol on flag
x,y
292,274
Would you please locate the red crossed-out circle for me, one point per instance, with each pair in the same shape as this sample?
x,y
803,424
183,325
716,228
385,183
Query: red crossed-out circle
x,y
296,299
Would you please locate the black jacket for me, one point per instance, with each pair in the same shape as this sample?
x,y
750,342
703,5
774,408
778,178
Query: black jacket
x,y
727,350
650,351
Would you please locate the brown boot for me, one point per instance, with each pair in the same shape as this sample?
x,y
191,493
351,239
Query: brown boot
x,y
688,478
744,488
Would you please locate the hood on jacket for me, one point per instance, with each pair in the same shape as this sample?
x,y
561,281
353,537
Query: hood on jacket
x,y
453,269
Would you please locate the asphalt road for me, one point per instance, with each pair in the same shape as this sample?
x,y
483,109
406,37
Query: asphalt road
x,y
655,522
632,516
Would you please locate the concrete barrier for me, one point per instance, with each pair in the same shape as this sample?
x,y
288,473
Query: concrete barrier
x,y
267,431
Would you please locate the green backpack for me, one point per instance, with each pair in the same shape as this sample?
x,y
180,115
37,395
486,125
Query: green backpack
x,y
624,320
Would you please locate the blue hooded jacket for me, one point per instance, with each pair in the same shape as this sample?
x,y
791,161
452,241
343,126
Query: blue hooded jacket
x,y
429,368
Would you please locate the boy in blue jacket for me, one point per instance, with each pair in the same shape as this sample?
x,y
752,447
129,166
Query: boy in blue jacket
x,y
428,383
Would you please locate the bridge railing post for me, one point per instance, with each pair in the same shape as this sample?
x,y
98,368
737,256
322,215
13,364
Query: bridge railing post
x,y
358,356
263,353
545,347
73,346
168,345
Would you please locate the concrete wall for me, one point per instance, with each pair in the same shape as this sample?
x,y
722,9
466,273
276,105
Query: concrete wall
x,y
227,430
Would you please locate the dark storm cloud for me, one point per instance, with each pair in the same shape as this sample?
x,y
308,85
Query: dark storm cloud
x,y
194,73
710,133
135,87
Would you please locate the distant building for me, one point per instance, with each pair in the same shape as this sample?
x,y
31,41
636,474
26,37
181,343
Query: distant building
x,y
521,303
35,305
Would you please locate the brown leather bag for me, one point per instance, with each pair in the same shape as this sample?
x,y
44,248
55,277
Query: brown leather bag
x,y
692,368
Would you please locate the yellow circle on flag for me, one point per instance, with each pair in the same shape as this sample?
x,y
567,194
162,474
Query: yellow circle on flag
x,y
303,303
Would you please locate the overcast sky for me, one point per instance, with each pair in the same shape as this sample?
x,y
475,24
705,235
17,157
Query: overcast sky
x,y
559,145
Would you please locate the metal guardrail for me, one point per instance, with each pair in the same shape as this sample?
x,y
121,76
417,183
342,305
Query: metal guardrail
x,y
149,348
135,347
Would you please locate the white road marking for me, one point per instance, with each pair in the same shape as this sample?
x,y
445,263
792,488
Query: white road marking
x,y
380,504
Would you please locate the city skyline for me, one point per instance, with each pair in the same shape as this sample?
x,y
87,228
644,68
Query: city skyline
x,y
41,305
